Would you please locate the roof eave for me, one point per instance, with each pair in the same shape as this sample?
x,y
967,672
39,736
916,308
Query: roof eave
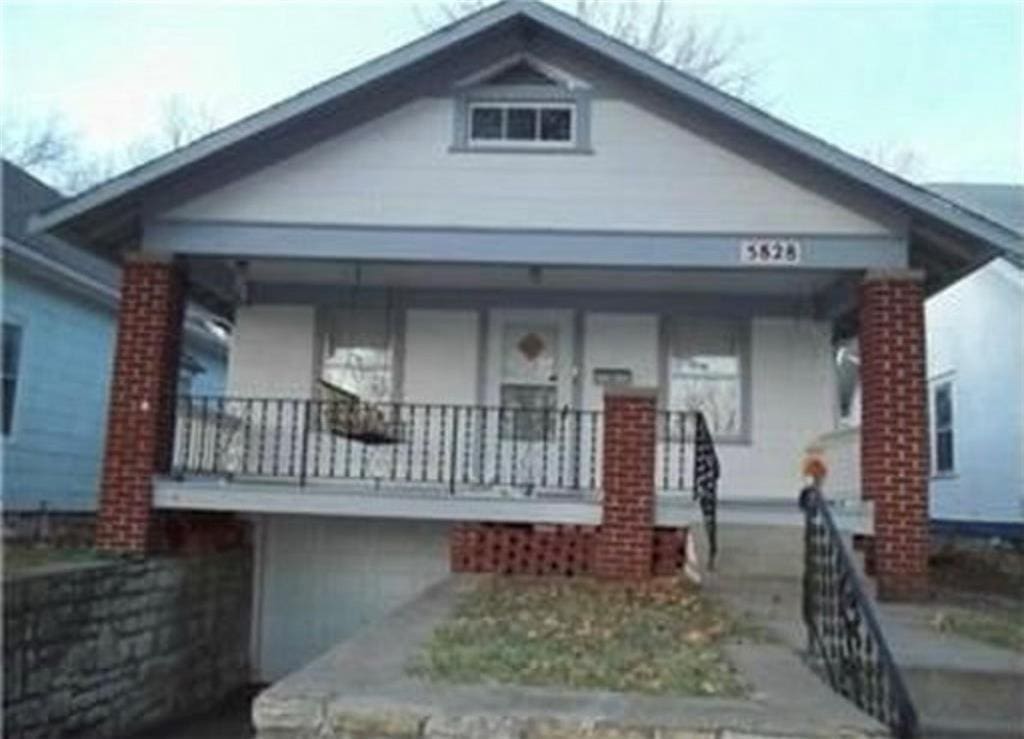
x,y
917,201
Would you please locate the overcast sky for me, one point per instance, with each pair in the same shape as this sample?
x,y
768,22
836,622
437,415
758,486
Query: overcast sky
x,y
944,79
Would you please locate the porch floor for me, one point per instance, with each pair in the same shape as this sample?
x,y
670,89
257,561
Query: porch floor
x,y
364,498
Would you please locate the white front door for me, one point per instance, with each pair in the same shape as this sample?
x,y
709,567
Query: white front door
x,y
530,358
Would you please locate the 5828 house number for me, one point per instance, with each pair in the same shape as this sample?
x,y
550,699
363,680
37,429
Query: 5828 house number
x,y
770,251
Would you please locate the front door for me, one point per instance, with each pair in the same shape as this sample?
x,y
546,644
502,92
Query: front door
x,y
530,383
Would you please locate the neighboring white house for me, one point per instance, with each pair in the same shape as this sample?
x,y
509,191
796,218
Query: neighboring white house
x,y
470,239
976,382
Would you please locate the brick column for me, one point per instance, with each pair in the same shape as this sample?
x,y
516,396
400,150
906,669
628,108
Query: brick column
x,y
141,414
625,542
894,429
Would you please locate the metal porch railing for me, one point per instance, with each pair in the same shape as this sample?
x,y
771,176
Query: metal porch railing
x,y
444,447
440,446
686,461
843,632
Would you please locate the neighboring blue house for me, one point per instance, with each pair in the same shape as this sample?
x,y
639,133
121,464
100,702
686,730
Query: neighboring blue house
x,y
59,324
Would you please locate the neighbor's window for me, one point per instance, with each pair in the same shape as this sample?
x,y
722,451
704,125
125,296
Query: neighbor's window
x,y
12,361
521,123
942,403
359,352
705,372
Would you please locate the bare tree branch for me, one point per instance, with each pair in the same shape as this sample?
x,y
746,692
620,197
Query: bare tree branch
x,y
37,143
900,160
712,55
54,154
183,122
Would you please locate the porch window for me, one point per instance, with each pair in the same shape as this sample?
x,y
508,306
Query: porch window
x,y
11,367
359,352
942,403
705,372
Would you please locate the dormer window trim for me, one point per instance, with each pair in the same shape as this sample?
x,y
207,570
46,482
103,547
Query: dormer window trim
x,y
558,77
564,92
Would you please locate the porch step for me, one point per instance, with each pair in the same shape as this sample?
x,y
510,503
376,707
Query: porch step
x,y
746,550
948,694
960,687
971,729
756,550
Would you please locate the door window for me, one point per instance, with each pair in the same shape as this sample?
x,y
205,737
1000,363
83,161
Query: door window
x,y
529,381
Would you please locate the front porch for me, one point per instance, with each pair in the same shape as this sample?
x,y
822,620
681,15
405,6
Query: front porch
x,y
437,462
354,391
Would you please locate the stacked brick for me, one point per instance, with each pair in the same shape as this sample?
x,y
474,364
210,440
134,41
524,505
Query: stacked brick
x,y
139,426
515,549
894,430
568,551
669,552
625,545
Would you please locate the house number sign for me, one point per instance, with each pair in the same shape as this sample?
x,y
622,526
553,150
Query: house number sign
x,y
775,252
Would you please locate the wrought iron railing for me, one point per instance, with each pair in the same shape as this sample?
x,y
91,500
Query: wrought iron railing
x,y
843,632
441,446
686,461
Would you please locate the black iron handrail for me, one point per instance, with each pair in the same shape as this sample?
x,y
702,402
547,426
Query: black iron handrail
x,y
446,446
682,433
843,632
706,471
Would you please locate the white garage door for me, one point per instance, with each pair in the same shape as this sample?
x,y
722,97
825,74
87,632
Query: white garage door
x,y
320,579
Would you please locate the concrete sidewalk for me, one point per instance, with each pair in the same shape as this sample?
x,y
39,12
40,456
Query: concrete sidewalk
x,y
361,686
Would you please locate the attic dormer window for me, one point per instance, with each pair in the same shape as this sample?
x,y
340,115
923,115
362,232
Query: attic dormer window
x,y
522,104
542,124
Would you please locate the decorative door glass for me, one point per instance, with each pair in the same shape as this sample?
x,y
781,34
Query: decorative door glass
x,y
529,384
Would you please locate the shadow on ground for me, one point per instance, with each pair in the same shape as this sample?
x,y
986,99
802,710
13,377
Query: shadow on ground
x,y
231,719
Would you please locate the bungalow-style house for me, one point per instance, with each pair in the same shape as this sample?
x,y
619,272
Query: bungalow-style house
x,y
507,299
59,325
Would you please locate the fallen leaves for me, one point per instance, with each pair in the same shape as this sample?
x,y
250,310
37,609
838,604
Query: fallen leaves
x,y
659,637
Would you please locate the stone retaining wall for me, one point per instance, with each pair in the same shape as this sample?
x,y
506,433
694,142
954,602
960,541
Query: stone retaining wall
x,y
103,649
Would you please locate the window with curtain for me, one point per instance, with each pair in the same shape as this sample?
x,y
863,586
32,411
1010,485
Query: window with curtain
x,y
705,373
359,351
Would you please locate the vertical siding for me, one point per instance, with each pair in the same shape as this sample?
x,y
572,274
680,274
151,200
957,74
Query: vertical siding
x,y
54,452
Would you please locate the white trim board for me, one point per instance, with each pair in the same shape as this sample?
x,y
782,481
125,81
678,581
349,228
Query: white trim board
x,y
360,500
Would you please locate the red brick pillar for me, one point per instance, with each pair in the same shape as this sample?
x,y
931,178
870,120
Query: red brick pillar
x,y
625,543
894,429
141,414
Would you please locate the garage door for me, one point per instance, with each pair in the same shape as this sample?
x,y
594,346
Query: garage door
x,y
321,579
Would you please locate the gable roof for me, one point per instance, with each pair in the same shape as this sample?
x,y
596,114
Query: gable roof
x,y
1001,203
20,196
110,211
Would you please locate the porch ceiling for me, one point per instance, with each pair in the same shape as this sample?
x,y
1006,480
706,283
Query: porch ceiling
x,y
280,276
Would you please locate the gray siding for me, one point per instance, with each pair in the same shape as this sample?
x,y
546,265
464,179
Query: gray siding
x,y
646,174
